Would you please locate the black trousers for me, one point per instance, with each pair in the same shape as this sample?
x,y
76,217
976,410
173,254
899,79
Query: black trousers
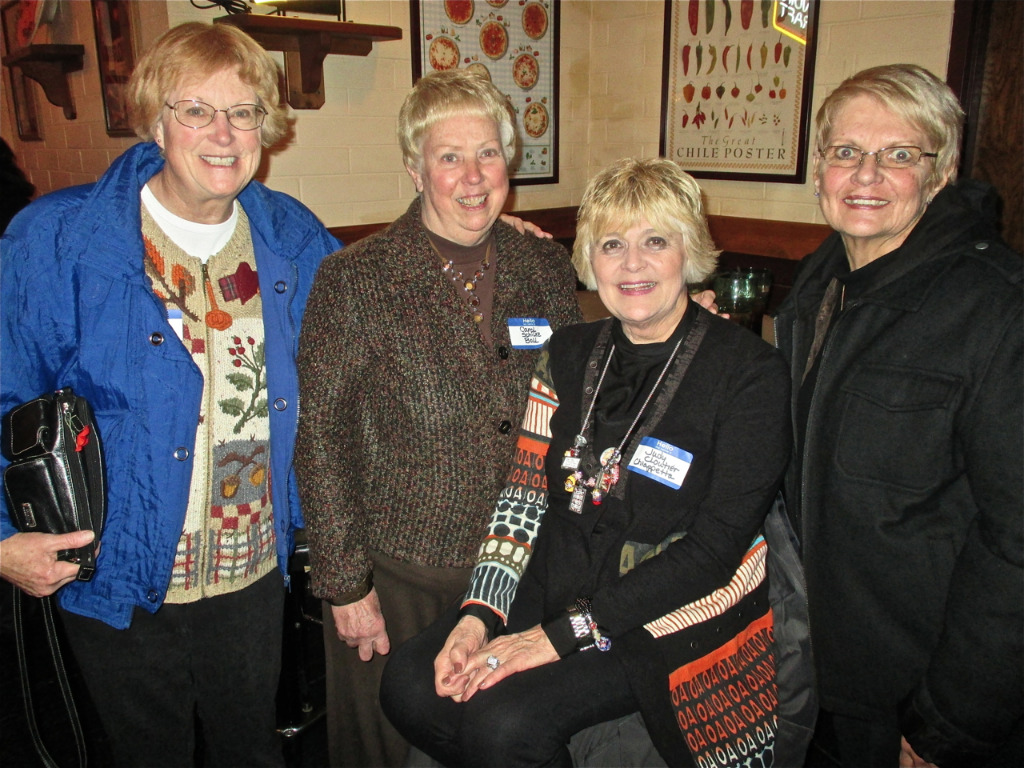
x,y
218,659
527,719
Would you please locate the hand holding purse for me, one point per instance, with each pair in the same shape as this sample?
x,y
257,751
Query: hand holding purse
x,y
55,482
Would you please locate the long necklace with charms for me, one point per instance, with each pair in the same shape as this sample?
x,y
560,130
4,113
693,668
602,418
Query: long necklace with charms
x,y
608,475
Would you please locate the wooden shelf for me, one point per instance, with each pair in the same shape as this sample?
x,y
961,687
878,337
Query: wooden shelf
x,y
306,43
49,65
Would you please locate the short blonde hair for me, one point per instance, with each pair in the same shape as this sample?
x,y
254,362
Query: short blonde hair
x,y
192,52
450,93
656,189
913,94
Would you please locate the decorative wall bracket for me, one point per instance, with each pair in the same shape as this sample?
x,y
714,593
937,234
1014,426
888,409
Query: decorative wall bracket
x,y
49,65
306,43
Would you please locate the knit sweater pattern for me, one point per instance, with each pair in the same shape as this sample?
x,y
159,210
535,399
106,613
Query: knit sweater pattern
x,y
408,421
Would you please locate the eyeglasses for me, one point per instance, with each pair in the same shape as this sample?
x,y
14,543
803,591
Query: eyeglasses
x,y
839,156
197,114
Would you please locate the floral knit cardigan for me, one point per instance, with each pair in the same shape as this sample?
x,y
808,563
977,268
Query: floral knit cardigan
x,y
409,420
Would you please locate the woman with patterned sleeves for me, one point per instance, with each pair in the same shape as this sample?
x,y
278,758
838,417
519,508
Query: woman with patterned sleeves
x,y
624,567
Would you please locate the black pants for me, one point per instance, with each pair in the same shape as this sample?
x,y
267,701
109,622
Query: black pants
x,y
218,658
527,719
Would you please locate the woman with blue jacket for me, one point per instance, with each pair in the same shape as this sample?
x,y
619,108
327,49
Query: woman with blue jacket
x,y
170,295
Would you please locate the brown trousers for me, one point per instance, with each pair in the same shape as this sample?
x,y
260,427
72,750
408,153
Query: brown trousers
x,y
411,597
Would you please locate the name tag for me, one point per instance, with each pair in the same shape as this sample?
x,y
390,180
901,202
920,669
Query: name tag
x,y
177,322
662,462
528,332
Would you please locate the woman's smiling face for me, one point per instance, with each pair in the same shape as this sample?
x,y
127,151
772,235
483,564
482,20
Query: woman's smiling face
x,y
873,208
463,178
639,272
207,167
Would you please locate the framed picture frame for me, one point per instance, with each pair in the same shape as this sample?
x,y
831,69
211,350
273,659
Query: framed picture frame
x,y
736,87
515,45
19,22
115,56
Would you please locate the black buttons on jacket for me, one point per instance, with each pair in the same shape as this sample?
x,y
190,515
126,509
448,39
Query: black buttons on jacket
x,y
280,286
505,427
280,404
156,338
503,353
181,454
981,246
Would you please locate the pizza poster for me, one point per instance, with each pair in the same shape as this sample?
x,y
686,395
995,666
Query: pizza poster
x,y
736,87
514,44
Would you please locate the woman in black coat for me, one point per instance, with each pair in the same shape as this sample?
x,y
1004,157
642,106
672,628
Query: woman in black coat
x,y
904,334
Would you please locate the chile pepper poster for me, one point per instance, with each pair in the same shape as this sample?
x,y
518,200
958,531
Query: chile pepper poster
x,y
736,87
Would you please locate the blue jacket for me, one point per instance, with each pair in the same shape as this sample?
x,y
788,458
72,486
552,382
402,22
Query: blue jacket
x,y
77,310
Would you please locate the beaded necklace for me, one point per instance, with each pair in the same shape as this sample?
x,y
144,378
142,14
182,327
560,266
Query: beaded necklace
x,y
468,285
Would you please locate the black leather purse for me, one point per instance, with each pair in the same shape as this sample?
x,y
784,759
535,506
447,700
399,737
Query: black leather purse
x,y
55,482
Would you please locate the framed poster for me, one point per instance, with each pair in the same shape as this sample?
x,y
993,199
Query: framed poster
x,y
514,43
19,21
115,55
736,87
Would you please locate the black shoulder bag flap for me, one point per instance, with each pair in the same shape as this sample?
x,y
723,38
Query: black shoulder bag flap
x,y
55,482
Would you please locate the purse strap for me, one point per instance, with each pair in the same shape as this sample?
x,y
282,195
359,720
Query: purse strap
x,y
53,640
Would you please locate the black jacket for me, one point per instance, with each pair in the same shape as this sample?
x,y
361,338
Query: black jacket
x,y
908,495
729,411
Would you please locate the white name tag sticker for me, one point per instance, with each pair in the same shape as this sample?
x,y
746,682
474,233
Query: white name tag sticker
x,y
177,322
528,332
662,462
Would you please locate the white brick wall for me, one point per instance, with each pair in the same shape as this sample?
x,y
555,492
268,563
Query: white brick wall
x,y
344,162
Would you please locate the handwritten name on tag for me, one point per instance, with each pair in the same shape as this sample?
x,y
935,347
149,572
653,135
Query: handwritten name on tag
x,y
528,332
662,462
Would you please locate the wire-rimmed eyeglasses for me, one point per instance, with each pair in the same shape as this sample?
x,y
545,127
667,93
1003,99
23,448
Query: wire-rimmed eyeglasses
x,y
843,156
198,114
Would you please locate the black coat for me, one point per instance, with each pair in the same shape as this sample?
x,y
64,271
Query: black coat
x,y
909,493
730,412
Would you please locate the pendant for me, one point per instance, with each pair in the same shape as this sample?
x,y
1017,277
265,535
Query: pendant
x,y
576,502
607,477
571,460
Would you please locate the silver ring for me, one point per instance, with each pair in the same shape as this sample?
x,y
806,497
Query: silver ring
x,y
493,662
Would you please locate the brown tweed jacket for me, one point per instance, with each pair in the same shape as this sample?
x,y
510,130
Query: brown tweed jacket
x,y
408,422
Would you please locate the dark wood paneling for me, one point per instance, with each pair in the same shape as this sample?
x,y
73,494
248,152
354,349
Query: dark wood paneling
x,y
985,71
776,239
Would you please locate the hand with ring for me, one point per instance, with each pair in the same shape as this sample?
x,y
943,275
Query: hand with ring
x,y
506,655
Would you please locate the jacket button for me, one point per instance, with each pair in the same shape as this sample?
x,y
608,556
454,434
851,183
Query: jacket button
x,y
280,404
156,338
503,353
593,363
980,246
505,427
181,454
280,286
152,595
589,390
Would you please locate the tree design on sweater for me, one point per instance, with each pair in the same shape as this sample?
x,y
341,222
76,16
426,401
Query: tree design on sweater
x,y
252,360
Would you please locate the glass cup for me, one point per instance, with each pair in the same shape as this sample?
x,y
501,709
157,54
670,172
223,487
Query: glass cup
x,y
736,293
